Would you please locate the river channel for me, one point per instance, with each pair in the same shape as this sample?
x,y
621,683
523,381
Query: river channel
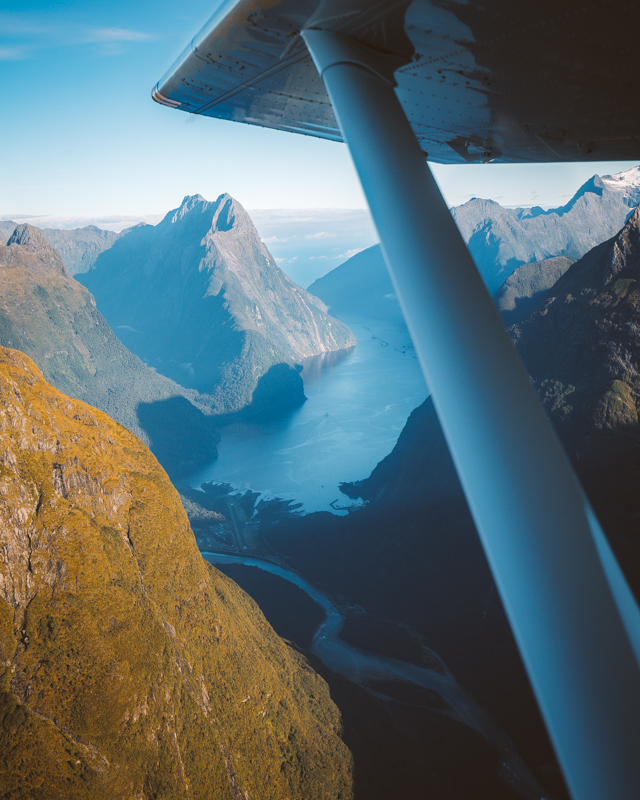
x,y
364,668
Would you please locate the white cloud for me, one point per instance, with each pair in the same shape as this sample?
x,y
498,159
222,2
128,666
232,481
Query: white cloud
x,y
25,33
272,239
116,35
317,258
12,53
321,235
114,222
351,253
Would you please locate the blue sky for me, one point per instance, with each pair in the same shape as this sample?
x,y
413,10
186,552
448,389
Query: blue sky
x,y
81,138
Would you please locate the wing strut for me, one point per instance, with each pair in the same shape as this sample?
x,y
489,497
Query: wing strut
x,y
573,616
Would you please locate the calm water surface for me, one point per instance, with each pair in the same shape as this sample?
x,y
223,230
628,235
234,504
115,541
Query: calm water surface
x,y
358,402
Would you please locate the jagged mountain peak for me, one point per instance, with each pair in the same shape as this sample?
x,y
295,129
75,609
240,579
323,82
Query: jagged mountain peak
x,y
27,236
219,214
40,256
482,203
215,310
190,203
595,185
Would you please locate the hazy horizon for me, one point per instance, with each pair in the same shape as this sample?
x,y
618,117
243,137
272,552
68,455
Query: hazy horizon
x,y
87,143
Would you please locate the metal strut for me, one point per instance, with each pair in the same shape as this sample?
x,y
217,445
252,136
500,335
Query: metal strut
x,y
573,616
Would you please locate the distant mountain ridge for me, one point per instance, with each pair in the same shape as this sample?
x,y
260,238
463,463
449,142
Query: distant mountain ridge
x,y
49,316
199,298
499,239
360,286
80,248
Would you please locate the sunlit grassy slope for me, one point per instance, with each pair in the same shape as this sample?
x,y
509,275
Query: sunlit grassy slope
x,y
129,668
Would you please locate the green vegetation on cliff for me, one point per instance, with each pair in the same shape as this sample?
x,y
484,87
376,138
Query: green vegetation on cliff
x,y
129,668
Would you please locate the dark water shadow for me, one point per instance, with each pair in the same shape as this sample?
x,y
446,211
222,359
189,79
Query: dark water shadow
x,y
183,438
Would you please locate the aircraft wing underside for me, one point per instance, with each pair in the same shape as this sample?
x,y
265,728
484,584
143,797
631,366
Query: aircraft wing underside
x,y
498,81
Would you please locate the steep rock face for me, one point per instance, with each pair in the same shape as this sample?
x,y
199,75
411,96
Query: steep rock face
x,y
199,298
582,345
502,239
52,318
527,287
129,668
80,248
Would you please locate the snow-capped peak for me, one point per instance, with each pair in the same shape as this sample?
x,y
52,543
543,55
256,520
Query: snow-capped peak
x,y
623,180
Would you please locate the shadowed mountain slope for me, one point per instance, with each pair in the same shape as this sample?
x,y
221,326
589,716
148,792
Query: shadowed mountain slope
x,y
582,345
129,668
52,318
525,288
199,298
360,286
412,555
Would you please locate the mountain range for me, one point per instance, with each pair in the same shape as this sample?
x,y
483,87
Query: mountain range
x,y
129,667
78,248
499,239
199,298
46,314
169,666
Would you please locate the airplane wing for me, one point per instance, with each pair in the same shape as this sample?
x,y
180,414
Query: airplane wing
x,y
498,81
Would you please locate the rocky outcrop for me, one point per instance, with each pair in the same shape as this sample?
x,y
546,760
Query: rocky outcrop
x,y
49,316
129,668
199,298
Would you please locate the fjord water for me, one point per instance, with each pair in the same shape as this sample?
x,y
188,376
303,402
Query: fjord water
x,y
358,401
